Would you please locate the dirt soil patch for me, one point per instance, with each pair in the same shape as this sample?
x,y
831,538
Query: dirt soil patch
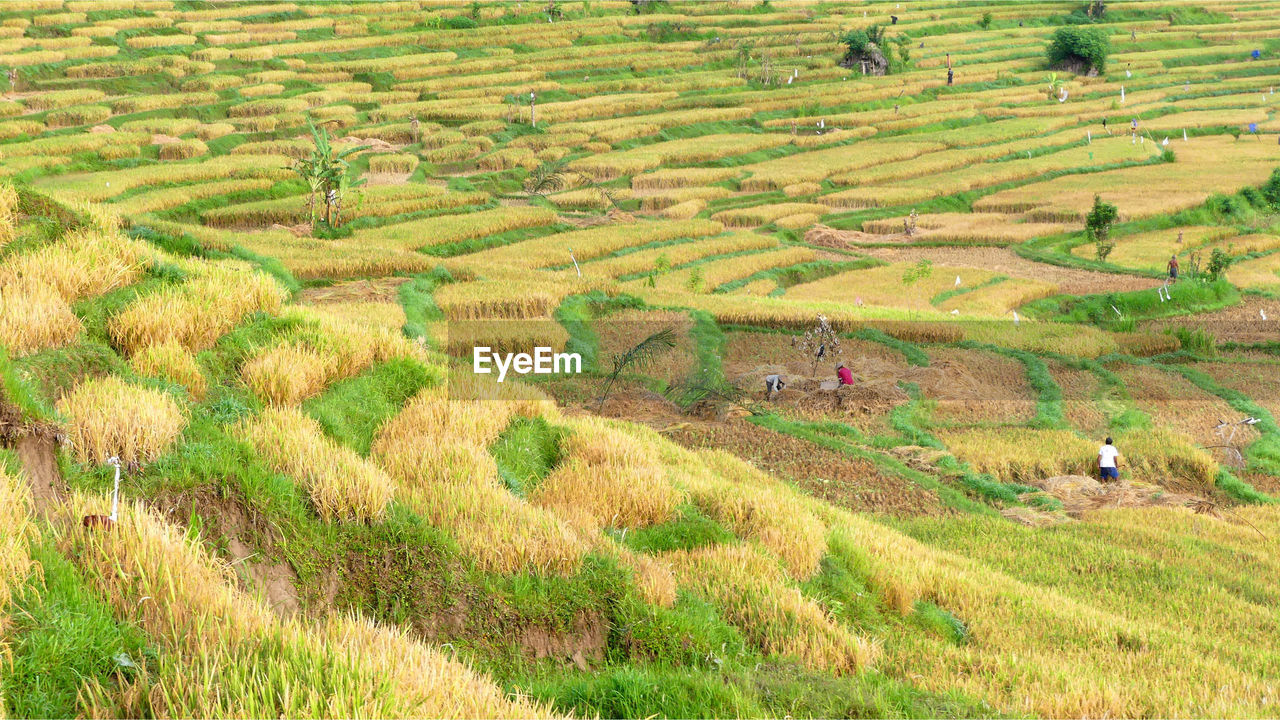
x,y
1172,401
1004,261
39,456
37,447
971,386
299,230
386,289
1259,381
1240,323
837,478
586,639
1080,406
250,540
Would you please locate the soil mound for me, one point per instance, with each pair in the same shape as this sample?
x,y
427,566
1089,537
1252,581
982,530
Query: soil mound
x,y
1080,495
299,230
824,236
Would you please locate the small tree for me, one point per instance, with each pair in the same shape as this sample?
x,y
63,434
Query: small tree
x,y
985,23
1079,49
660,266
864,48
1097,227
695,282
742,60
855,42
919,271
820,342
1219,261
903,43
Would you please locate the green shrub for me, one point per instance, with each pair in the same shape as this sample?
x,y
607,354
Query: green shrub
x,y
1271,190
855,42
1219,261
1087,45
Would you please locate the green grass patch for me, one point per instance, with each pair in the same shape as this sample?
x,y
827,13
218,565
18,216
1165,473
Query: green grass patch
x,y
352,410
526,452
63,636
1187,297
689,529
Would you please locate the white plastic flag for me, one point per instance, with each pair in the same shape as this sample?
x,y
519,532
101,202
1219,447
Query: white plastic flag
x,y
1184,135
1263,313
1118,313
1121,93
1089,136
957,281
1015,317
1164,142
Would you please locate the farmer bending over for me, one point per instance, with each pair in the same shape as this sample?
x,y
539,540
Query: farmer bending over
x,y
846,377
1109,461
772,384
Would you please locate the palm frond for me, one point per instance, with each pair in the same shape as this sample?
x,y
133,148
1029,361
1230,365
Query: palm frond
x,y
639,356
546,178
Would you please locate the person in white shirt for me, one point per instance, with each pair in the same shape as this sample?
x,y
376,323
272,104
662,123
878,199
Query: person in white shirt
x,y
1109,461
772,384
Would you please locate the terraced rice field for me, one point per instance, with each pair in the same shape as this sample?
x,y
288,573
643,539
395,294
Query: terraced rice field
x,y
250,253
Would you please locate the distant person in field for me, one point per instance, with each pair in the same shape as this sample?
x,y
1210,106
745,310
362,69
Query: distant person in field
x,y
846,377
951,76
1109,461
772,384
1173,267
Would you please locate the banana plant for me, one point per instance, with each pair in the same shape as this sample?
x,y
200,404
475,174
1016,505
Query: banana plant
x,y
1055,85
326,172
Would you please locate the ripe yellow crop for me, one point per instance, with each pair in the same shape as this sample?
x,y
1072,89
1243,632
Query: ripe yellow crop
x,y
109,417
342,485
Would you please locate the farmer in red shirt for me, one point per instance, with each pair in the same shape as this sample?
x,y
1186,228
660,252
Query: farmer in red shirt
x,y
846,377
1173,267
